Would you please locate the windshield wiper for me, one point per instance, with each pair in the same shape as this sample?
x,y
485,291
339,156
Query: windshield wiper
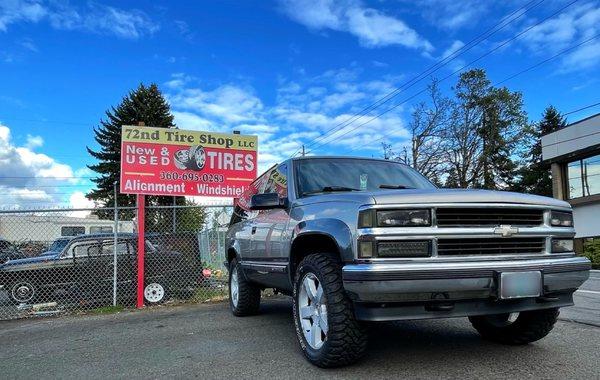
x,y
330,189
384,186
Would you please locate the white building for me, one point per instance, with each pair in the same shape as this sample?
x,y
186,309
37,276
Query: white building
x,y
49,226
574,155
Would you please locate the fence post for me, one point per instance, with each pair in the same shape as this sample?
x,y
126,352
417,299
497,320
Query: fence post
x,y
115,241
174,214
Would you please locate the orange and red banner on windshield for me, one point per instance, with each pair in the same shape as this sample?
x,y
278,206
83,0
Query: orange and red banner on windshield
x,y
168,161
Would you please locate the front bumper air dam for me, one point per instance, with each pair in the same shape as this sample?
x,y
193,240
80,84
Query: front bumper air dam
x,y
380,291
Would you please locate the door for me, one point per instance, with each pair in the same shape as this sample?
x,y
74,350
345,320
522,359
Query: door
x,y
88,271
268,233
125,268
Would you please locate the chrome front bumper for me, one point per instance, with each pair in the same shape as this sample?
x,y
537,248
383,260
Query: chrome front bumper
x,y
458,282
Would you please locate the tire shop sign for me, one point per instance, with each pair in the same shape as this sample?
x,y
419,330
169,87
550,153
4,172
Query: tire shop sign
x,y
168,161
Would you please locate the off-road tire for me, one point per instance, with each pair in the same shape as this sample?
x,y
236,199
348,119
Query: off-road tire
x,y
346,340
528,327
248,293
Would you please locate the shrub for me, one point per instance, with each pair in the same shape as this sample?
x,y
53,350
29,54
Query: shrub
x,y
591,250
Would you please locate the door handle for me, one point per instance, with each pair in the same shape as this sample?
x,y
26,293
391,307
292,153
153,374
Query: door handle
x,y
253,230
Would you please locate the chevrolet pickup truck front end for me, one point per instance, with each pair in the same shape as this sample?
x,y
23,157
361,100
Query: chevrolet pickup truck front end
x,y
447,260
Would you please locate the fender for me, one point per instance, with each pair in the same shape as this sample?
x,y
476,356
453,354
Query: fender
x,y
336,229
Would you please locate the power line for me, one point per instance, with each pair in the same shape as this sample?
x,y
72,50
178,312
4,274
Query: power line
x,y
480,38
43,186
452,74
46,121
51,178
504,80
582,109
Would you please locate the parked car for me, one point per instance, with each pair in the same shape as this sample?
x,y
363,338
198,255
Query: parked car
x,y
83,270
355,240
9,252
57,246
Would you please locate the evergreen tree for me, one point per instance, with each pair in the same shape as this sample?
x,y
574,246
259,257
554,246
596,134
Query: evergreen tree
x,y
534,175
143,105
482,137
503,123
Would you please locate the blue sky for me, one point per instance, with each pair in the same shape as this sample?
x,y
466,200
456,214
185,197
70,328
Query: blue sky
x,y
286,70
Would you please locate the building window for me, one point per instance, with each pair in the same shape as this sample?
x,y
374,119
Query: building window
x,y
584,177
98,230
72,230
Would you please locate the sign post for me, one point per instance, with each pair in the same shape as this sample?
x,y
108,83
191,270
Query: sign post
x,y
141,247
175,162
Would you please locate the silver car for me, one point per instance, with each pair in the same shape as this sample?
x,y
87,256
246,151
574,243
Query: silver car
x,y
354,239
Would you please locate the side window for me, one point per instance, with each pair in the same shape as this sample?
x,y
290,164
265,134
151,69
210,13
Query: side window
x,y
100,229
84,249
242,211
277,181
107,248
72,230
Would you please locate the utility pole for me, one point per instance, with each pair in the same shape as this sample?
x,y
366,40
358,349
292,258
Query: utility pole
x,y
303,153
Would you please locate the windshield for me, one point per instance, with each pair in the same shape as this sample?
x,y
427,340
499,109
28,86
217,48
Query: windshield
x,y
58,245
334,174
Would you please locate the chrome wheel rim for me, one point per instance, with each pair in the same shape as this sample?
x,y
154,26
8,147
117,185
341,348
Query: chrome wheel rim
x,y
154,292
312,311
234,287
22,292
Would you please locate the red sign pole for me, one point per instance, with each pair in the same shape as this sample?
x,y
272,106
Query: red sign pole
x,y
141,213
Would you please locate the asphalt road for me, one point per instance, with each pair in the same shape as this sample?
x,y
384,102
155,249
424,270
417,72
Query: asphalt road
x,y
206,341
587,303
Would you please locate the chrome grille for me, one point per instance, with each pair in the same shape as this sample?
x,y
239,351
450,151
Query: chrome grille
x,y
488,216
493,246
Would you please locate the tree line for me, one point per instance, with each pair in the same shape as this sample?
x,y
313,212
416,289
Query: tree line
x,y
478,137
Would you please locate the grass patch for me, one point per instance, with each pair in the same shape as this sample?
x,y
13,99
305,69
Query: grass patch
x,y
106,310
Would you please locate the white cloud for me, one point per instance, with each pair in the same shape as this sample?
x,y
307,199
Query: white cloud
x,y
452,15
372,27
13,11
189,120
34,141
303,110
78,200
575,25
94,17
456,45
30,179
226,104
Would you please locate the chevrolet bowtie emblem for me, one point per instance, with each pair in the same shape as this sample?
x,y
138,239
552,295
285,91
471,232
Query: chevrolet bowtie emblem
x,y
506,231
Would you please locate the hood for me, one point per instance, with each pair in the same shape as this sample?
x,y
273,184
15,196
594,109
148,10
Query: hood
x,y
28,260
462,196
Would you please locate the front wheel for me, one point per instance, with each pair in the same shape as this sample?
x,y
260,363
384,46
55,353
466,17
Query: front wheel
x,y
23,291
516,328
244,297
328,332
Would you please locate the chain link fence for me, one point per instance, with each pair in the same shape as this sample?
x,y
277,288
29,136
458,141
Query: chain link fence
x,y
70,260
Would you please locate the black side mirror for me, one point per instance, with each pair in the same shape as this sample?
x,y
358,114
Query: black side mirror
x,y
267,201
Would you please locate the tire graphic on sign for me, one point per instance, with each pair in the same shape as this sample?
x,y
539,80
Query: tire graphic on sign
x,y
193,158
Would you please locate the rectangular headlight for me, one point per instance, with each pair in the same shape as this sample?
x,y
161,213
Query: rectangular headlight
x,y
561,219
562,245
404,218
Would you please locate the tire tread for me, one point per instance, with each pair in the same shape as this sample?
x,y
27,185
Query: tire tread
x,y
346,339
